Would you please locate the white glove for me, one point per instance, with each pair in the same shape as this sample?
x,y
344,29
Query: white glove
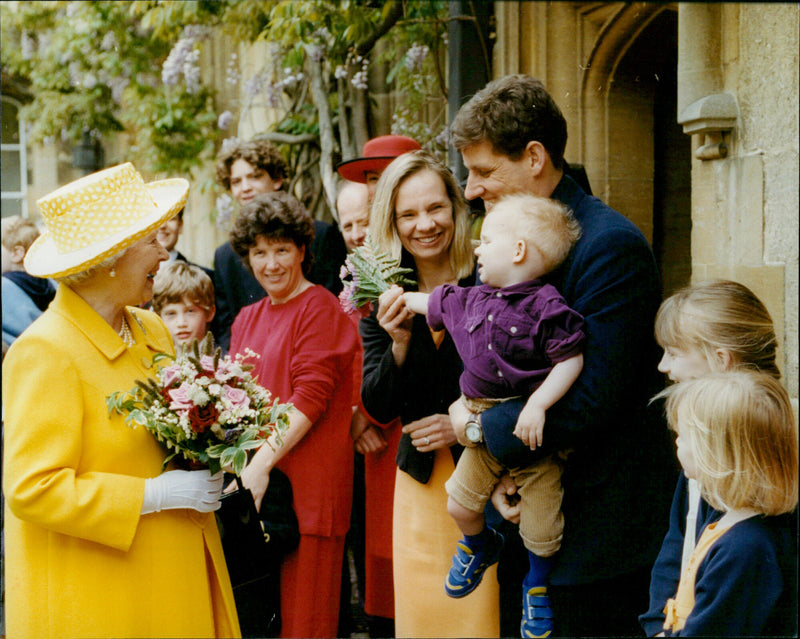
x,y
195,489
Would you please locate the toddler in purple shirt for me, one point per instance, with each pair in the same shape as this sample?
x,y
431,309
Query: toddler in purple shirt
x,y
518,338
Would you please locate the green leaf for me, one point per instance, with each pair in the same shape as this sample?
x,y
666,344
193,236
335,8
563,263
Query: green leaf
x,y
251,444
239,461
395,69
217,450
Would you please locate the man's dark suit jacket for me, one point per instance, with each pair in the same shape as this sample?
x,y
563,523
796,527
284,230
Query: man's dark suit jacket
x,y
619,476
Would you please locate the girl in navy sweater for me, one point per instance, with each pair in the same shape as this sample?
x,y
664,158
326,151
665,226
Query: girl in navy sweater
x,y
737,437
716,325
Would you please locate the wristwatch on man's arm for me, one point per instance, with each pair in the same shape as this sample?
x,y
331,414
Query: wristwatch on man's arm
x,y
473,430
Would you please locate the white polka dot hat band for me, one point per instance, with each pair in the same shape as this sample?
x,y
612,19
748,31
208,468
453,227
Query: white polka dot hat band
x,y
95,217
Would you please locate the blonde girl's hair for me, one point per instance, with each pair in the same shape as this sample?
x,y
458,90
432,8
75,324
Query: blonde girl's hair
x,y
178,280
743,434
720,314
548,225
382,224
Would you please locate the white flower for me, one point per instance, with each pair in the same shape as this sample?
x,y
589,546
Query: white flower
x,y
359,80
191,71
232,75
185,425
72,9
198,396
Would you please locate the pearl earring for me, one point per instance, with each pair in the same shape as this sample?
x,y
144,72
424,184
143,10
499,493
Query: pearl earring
x,y
112,273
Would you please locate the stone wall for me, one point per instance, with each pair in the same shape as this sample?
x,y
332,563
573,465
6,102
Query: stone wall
x,y
743,206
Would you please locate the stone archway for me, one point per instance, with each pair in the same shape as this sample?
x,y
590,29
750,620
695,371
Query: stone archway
x,y
632,144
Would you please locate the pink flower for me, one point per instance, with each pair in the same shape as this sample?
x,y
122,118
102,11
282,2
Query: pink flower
x,y
223,371
236,396
346,299
180,397
171,375
207,362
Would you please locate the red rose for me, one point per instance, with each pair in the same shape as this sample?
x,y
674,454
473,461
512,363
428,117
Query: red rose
x,y
201,418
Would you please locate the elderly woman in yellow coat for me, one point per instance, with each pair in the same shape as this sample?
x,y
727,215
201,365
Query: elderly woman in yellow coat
x,y
98,541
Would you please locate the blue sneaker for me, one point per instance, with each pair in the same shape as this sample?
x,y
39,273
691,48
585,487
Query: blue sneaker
x,y
468,565
537,616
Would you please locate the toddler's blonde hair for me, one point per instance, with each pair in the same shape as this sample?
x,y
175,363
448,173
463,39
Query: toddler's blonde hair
x,y
548,225
719,314
743,434
178,280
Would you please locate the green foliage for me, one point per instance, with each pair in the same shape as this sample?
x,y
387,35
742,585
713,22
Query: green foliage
x,y
99,67
176,129
96,66
370,272
417,55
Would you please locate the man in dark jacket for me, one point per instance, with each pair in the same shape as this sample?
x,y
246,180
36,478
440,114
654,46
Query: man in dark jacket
x,y
619,476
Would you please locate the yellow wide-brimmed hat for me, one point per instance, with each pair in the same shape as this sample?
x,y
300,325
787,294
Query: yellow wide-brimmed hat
x,y
91,219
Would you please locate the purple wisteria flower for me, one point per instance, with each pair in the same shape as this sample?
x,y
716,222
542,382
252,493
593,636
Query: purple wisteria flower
x,y
415,57
109,42
224,120
224,210
184,57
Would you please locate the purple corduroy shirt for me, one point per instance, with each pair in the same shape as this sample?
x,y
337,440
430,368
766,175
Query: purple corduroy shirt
x,y
509,338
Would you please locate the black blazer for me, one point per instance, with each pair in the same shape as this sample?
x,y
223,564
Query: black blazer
x,y
426,384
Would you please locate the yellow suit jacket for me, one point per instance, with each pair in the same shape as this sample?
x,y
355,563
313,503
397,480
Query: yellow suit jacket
x,y
81,561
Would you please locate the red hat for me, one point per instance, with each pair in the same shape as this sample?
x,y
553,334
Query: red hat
x,y
378,154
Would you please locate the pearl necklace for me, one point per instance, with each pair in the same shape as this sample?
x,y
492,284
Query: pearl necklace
x,y
125,333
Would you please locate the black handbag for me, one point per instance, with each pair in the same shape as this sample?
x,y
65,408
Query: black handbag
x,y
255,543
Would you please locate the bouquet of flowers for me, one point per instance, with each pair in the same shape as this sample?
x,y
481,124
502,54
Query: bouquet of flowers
x,y
205,408
366,274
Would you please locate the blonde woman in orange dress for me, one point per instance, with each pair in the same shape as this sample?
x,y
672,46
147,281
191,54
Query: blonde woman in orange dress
x,y
419,217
